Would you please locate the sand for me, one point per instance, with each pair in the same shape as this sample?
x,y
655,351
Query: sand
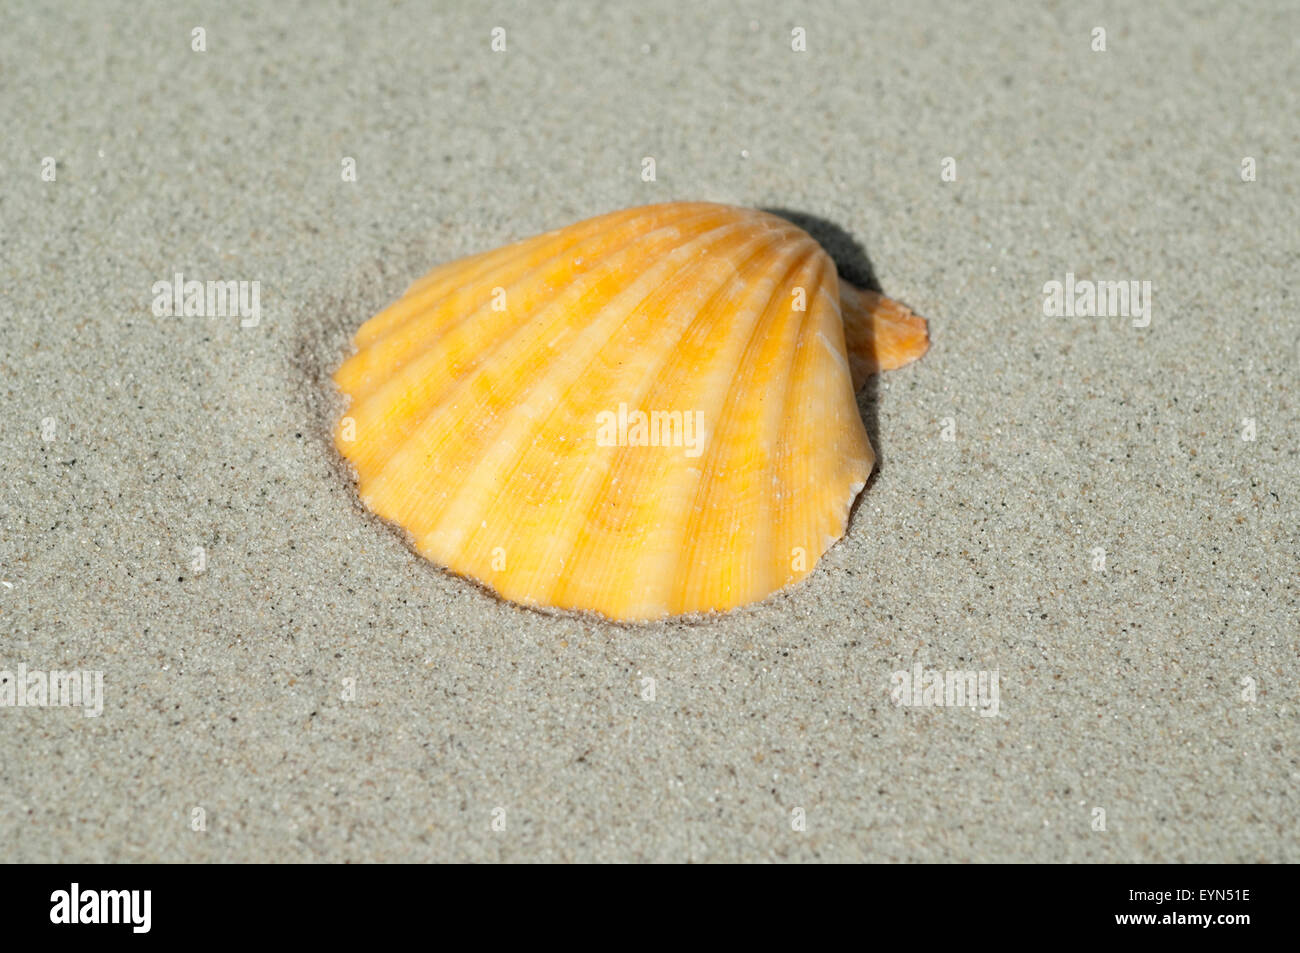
x,y
317,692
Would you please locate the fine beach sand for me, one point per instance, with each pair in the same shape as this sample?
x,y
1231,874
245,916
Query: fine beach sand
x,y
1155,699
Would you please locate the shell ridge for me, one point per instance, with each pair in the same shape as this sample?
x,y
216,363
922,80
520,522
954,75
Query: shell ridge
x,y
691,530
605,324
367,404
606,560
557,243
616,470
433,287
793,517
775,512
449,274
602,557
851,461
528,339
387,347
750,575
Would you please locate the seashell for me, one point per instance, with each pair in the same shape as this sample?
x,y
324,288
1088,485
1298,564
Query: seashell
x,y
645,414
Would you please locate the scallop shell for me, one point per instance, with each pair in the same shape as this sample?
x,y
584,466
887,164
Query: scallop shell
x,y
494,410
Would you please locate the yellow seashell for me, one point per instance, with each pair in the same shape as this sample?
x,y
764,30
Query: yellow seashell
x,y
644,414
